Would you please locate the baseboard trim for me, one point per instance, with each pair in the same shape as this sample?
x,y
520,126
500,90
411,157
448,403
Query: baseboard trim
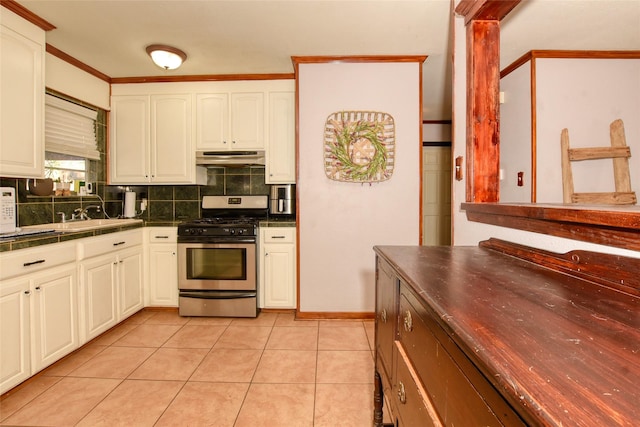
x,y
325,315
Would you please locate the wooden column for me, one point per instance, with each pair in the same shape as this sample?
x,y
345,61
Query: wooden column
x,y
483,114
482,18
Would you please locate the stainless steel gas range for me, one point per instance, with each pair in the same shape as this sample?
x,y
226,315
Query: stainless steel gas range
x,y
217,264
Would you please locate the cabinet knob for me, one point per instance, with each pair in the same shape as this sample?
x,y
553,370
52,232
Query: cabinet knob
x,y
408,321
402,395
233,142
38,288
27,292
383,315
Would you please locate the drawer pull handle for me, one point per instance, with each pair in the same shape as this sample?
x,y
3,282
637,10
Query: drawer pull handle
x,y
408,321
27,264
277,237
402,395
119,243
383,315
162,237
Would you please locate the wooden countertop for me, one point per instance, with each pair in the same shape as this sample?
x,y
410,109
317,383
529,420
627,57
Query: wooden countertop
x,y
562,350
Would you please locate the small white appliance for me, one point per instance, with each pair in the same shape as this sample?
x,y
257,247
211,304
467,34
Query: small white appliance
x,y
7,210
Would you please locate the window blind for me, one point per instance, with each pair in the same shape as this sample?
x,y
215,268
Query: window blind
x,y
70,128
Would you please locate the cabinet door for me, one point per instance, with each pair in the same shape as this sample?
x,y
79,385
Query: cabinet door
x,y
22,100
15,350
386,314
247,120
212,121
130,282
163,275
280,167
54,315
129,144
279,286
172,156
99,295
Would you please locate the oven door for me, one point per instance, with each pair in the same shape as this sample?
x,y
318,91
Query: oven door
x,y
217,266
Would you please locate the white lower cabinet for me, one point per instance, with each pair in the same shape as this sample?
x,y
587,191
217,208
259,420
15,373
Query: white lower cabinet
x,y
38,310
15,335
277,267
163,267
54,315
111,270
99,294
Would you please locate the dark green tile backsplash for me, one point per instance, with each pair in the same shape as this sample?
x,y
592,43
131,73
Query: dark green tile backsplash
x,y
165,203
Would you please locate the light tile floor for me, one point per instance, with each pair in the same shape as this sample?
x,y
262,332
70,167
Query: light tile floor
x,y
160,369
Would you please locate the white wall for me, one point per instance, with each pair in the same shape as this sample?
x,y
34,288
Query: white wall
x,y
436,132
471,233
582,95
585,96
72,81
340,222
515,135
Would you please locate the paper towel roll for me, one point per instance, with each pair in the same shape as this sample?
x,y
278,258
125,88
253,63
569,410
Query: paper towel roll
x,y
129,204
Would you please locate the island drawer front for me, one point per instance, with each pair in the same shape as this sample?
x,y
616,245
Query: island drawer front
x,y
30,260
410,399
457,389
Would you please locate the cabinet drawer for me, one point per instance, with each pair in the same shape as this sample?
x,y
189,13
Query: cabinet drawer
x,y
163,234
278,235
26,261
95,246
457,389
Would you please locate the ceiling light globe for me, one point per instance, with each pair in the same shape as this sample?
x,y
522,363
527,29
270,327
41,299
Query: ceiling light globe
x,y
166,57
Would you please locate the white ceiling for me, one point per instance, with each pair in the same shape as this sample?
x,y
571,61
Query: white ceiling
x,y
255,37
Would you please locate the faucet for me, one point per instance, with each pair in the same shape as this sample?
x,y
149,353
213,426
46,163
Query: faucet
x,y
80,214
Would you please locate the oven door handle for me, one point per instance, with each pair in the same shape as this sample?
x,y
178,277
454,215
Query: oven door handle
x,y
218,295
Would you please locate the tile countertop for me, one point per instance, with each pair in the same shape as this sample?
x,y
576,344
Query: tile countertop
x,y
277,222
56,237
25,242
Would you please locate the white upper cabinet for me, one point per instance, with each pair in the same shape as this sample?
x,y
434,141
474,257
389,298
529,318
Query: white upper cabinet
x,y
155,133
280,167
151,140
21,97
172,156
129,144
230,121
212,121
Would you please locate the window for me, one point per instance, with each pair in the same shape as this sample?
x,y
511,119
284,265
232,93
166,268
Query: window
x,y
63,168
70,140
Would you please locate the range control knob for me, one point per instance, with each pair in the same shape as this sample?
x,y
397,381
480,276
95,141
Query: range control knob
x,y
232,231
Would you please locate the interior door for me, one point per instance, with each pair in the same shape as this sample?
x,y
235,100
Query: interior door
x,y
436,195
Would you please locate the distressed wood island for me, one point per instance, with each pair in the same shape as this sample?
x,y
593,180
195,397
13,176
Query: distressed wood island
x,y
504,334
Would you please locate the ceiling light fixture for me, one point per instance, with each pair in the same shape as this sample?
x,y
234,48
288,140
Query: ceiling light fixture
x,y
166,57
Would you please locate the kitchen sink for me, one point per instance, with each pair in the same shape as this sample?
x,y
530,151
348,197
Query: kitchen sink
x,y
89,224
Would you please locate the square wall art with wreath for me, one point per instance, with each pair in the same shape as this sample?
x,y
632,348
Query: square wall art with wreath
x,y
359,146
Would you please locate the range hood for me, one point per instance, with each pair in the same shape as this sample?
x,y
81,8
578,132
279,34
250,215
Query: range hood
x,y
222,158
